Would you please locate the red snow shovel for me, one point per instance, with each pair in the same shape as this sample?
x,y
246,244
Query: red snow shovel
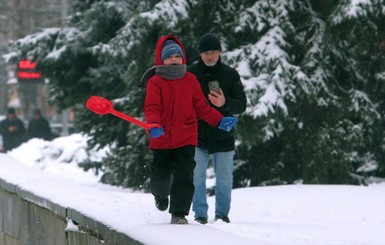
x,y
102,106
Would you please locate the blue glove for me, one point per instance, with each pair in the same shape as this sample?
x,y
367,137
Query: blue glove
x,y
156,132
227,123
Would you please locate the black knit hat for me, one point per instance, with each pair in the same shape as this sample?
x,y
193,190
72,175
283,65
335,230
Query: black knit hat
x,y
209,42
37,112
11,111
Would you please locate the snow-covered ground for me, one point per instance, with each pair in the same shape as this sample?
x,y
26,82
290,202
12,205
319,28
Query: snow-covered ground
x,y
278,215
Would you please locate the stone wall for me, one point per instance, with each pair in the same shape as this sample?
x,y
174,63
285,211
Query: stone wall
x,y
27,219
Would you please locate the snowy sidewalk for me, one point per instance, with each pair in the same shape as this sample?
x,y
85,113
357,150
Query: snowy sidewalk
x,y
278,215
133,214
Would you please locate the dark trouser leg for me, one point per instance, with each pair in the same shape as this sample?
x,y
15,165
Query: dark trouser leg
x,y
160,178
182,188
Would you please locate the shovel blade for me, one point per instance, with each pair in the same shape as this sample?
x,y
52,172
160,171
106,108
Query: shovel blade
x,y
99,105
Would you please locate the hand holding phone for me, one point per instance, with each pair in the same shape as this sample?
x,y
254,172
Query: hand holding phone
x,y
217,99
214,85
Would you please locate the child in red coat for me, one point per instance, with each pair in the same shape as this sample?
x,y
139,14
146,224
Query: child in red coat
x,y
175,101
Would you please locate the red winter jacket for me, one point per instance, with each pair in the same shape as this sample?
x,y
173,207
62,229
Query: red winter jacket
x,y
176,105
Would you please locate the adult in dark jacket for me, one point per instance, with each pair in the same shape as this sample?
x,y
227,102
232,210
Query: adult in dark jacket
x,y
214,143
174,101
38,127
12,130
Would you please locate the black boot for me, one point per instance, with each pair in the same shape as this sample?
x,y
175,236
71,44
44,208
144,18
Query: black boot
x,y
161,203
222,217
178,218
201,220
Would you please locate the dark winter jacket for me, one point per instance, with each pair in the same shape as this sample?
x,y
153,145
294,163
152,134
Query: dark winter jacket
x,y
39,128
13,133
176,105
212,138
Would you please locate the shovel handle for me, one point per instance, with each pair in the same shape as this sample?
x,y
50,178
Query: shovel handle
x,y
102,106
133,120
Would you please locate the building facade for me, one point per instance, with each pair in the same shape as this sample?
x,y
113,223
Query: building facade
x,y
19,18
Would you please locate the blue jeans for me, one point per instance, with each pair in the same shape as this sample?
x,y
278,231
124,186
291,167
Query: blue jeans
x,y
223,163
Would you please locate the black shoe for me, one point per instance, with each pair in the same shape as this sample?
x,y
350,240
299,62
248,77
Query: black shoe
x,y
222,217
178,219
201,220
161,203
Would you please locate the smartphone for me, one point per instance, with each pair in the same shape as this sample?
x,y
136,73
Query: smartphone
x,y
214,85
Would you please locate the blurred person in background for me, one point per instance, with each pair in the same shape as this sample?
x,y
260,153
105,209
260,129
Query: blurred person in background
x,y
38,127
12,130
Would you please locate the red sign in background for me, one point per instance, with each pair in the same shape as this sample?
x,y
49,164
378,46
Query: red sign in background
x,y
26,70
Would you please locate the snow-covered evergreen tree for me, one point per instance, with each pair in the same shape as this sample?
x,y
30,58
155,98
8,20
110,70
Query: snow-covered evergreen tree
x,y
303,117
358,60
313,73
